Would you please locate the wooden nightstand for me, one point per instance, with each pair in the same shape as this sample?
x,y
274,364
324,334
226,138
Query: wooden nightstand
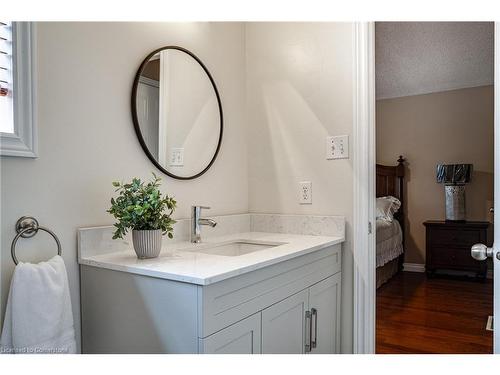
x,y
448,245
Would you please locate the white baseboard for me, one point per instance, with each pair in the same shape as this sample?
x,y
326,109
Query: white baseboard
x,y
414,267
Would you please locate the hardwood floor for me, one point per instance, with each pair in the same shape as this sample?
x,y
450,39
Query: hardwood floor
x,y
439,315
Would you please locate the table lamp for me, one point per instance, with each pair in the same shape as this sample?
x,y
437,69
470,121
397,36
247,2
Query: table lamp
x,y
454,177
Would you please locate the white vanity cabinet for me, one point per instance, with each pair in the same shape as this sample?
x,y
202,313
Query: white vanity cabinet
x,y
306,322
290,326
284,326
243,337
288,307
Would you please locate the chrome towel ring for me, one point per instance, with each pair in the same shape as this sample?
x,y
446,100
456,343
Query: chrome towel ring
x,y
27,227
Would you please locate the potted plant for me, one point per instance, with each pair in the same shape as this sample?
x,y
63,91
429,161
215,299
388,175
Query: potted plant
x,y
142,208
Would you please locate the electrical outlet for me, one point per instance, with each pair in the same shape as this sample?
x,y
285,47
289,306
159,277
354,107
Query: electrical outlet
x,y
176,157
337,147
305,192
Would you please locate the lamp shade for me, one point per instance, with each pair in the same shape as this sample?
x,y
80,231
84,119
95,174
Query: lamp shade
x,y
454,173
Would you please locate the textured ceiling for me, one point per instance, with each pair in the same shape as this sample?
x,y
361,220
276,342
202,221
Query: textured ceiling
x,y
415,58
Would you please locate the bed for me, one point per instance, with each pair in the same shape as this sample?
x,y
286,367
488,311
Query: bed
x,y
390,235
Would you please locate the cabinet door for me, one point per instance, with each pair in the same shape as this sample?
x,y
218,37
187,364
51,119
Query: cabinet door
x,y
243,337
324,303
283,325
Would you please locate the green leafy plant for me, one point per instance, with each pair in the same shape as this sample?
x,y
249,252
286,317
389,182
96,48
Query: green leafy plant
x,y
141,206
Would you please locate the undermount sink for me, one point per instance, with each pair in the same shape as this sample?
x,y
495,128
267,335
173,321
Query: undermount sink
x,y
237,248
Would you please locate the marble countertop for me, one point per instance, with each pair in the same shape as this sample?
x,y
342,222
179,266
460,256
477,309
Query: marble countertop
x,y
181,261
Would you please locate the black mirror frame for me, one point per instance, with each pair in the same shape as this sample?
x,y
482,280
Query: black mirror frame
x,y
136,120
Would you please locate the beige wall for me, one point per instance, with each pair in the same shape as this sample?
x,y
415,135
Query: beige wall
x,y
86,137
445,127
299,90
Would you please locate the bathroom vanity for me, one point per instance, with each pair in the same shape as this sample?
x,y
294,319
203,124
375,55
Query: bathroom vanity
x,y
251,283
243,292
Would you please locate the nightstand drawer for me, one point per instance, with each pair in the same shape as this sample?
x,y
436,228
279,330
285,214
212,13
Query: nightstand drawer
x,y
448,245
447,257
456,238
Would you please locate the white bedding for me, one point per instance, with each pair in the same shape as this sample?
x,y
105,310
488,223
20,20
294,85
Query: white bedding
x,y
389,241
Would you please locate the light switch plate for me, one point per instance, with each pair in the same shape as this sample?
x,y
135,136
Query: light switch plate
x,y
305,192
176,157
337,147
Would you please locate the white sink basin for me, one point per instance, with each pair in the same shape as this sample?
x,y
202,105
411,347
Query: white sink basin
x,y
237,248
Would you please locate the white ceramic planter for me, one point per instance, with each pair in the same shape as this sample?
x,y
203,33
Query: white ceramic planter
x,y
147,243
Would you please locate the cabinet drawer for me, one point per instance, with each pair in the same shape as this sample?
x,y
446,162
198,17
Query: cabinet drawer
x,y
454,237
446,257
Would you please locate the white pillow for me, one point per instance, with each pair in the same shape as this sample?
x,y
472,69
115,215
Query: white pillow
x,y
387,207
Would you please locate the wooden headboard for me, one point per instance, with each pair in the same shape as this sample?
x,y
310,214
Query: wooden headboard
x,y
390,181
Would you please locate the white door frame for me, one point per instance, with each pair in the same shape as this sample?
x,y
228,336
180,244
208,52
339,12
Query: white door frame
x,y
364,187
496,228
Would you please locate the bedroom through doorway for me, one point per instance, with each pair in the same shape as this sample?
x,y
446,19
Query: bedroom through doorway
x,y
434,186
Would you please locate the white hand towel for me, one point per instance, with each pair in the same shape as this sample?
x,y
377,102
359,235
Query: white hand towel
x,y
38,318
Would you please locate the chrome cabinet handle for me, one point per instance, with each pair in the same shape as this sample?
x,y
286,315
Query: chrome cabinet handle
x,y
314,342
308,324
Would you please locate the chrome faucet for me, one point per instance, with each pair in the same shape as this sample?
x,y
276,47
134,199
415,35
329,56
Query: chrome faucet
x,y
197,222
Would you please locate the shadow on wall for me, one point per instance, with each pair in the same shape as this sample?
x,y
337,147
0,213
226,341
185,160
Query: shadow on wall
x,y
293,129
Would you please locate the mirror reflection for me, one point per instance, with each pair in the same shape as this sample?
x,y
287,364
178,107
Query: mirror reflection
x,y
178,113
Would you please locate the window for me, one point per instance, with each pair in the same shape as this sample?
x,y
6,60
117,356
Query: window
x,y
17,89
7,123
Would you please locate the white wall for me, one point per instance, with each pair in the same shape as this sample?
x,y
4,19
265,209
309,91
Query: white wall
x,y
299,80
86,137
299,90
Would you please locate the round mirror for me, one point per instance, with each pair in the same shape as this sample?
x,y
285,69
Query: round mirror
x,y
177,112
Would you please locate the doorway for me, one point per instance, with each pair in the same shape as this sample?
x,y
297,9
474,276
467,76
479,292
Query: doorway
x,y
434,111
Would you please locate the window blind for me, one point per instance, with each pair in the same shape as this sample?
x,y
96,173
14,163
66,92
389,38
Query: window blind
x,y
5,58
